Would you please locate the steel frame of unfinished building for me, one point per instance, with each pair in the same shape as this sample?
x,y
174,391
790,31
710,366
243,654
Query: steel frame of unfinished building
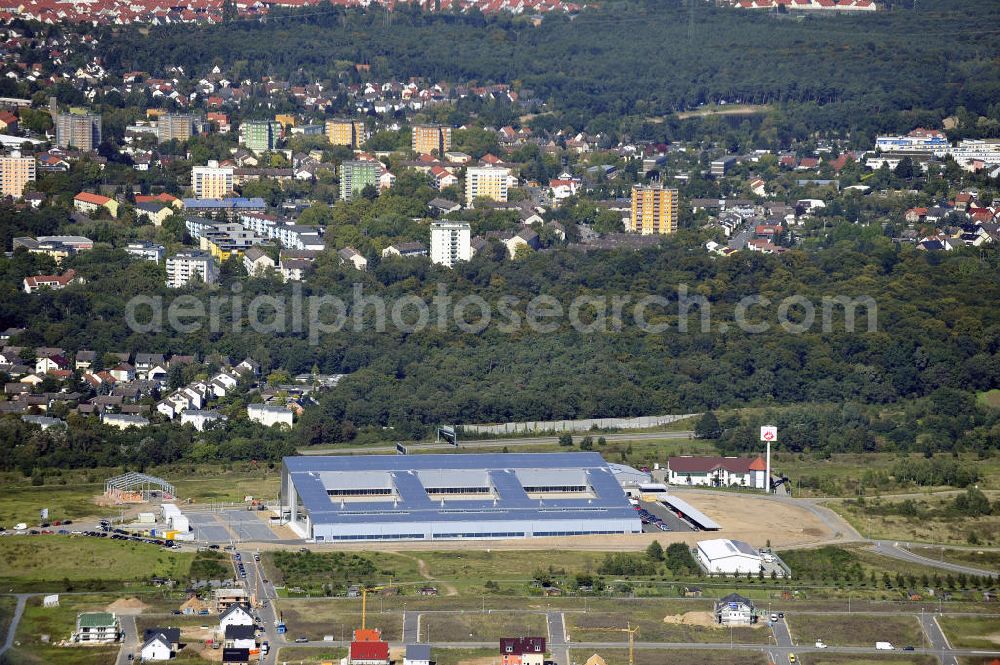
x,y
135,483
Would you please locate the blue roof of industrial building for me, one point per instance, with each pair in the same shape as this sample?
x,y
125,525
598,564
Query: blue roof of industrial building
x,y
410,501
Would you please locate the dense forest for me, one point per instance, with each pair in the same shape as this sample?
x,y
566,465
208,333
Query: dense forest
x,y
935,346
614,68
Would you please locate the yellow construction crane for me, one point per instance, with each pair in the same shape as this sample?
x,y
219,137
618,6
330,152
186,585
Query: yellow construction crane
x,y
364,602
632,632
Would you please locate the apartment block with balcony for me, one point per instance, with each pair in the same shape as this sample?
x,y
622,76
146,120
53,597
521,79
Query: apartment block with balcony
x,y
212,181
170,126
355,176
450,243
260,136
15,173
486,182
654,210
430,139
184,267
78,130
350,133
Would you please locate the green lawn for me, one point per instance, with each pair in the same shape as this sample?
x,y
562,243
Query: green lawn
x,y
310,656
30,559
971,632
857,630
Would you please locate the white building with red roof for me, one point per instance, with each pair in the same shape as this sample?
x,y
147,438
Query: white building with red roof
x,y
717,471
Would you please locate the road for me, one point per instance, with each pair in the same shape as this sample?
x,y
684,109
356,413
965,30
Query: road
x,y
936,637
557,637
22,599
130,639
262,589
898,551
473,444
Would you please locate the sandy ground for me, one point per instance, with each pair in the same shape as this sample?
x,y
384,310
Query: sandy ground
x,y
743,517
127,606
703,619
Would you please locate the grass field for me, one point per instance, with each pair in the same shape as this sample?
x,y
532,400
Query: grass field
x,y
844,659
316,619
729,109
944,529
990,398
855,630
30,559
58,623
7,604
971,633
662,656
464,656
479,627
71,494
310,656
606,627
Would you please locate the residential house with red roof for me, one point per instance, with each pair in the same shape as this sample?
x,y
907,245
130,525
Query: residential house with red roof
x,y
88,202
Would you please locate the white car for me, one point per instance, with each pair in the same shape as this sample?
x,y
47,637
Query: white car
x,y
820,644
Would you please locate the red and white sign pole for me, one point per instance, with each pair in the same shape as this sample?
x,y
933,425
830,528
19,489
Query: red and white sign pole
x,y
768,433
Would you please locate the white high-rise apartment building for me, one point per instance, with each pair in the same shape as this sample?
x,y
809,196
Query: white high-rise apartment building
x,y
212,181
185,265
450,242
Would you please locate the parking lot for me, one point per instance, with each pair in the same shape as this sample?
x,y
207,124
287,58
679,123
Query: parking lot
x,y
207,528
659,514
247,526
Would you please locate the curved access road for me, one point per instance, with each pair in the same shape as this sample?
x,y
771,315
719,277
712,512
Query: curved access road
x,y
899,551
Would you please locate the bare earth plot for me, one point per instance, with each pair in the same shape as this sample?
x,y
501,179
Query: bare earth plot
x,y
444,627
655,627
742,517
672,656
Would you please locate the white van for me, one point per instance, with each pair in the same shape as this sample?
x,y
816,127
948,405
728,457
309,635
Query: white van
x,y
884,646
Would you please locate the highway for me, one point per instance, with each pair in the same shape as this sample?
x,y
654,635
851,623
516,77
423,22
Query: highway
x,y
476,444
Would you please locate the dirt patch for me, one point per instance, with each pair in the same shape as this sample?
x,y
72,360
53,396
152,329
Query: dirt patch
x,y
196,640
704,619
127,606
